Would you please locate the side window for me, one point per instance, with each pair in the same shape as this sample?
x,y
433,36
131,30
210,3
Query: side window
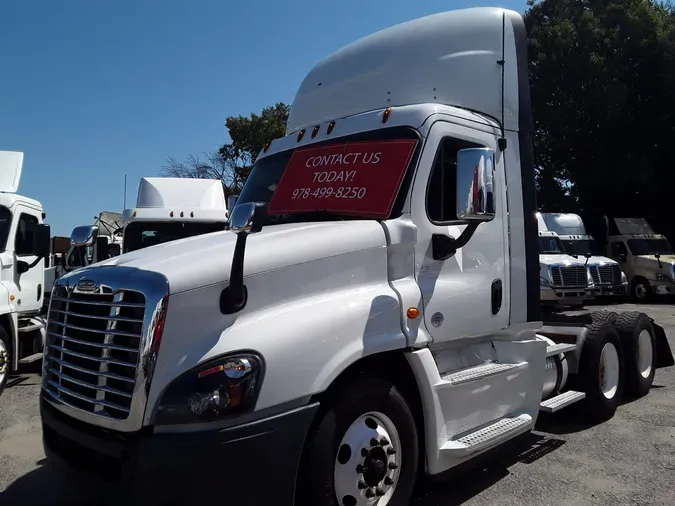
x,y
23,244
441,191
619,249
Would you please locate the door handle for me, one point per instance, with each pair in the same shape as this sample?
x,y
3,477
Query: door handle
x,y
496,295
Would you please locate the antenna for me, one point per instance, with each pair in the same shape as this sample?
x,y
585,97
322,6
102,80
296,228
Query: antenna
x,y
502,141
124,205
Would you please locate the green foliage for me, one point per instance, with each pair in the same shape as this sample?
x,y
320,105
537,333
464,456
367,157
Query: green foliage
x,y
233,161
603,104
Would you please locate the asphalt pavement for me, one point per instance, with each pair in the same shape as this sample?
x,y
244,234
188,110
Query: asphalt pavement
x,y
629,460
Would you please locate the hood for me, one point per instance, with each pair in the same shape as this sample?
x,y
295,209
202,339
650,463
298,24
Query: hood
x,y
206,259
665,259
561,259
596,260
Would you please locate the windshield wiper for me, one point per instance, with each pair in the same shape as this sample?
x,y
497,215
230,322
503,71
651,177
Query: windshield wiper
x,y
318,215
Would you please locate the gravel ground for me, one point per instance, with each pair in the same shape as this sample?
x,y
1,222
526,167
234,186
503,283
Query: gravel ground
x,y
628,460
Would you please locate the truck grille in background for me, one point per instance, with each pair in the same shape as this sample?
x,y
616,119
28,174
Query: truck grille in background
x,y
606,274
92,349
574,275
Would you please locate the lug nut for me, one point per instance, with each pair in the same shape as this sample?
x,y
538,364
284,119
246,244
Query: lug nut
x,y
391,451
384,441
379,492
370,494
374,442
362,485
388,481
392,465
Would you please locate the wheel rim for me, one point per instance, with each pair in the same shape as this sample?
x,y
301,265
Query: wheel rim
x,y
645,353
609,370
640,291
367,466
4,362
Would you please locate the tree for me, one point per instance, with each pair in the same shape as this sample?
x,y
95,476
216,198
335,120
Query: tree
x,y
603,102
233,161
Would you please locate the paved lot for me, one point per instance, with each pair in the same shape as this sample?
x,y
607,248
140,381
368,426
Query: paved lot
x,y
628,460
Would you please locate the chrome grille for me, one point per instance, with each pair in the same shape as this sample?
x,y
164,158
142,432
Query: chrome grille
x,y
606,274
92,349
573,275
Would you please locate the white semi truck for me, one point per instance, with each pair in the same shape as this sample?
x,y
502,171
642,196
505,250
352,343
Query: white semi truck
x,y
608,279
359,323
24,246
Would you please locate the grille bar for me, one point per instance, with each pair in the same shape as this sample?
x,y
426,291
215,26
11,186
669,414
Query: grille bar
x,y
606,274
99,317
95,373
104,331
96,345
89,357
87,384
99,303
569,276
60,390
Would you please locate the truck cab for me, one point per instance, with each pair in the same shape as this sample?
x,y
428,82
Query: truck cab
x,y
608,279
92,243
370,314
24,246
563,279
647,258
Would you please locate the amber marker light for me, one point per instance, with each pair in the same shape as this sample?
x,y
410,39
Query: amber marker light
x,y
331,125
413,313
315,131
301,134
267,146
385,116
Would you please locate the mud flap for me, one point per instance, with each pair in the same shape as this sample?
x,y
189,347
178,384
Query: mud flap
x,y
664,355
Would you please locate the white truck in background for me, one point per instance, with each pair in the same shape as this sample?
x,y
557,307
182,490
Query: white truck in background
x,y
89,244
359,323
24,246
608,279
564,281
646,258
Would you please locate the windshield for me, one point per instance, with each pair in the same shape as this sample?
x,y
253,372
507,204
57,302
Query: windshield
x,y
138,235
353,177
580,247
649,247
550,245
5,222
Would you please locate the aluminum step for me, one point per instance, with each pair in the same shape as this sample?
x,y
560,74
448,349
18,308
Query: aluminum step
x,y
480,371
489,436
559,348
561,401
31,358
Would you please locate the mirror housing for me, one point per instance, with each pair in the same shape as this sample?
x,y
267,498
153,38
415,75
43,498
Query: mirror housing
x,y
85,235
246,218
42,240
475,185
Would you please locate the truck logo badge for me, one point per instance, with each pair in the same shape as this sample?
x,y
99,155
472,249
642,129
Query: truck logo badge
x,y
437,319
86,285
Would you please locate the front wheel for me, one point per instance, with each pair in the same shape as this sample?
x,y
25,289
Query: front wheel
x,y
640,290
364,450
5,359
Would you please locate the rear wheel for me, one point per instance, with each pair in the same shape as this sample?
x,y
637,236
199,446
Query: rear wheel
x,y
601,370
639,342
5,358
364,450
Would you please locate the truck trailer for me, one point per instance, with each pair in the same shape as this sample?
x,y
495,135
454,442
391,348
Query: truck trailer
x,y
371,314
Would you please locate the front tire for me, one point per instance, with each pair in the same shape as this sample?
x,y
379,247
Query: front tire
x,y
363,451
640,289
5,358
639,342
601,370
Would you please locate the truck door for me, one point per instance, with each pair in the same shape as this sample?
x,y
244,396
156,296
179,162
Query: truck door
x,y
465,294
29,284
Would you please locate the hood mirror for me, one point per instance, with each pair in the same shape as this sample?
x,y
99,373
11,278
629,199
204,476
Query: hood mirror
x,y
85,235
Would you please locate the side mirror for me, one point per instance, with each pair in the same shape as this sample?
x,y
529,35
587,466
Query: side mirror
x,y
231,202
84,236
42,240
475,184
246,218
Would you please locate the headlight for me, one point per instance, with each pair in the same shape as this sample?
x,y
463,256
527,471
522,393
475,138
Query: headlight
x,y
662,277
589,278
219,388
624,279
544,282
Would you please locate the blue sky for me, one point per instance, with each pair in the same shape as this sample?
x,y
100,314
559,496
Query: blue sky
x,y
92,90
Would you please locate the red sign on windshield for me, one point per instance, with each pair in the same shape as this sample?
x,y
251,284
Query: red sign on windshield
x,y
351,178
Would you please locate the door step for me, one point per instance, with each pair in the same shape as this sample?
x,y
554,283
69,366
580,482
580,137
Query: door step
x,y
480,371
561,401
31,358
31,327
559,348
489,436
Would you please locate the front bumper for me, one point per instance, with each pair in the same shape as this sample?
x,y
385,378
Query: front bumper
x,y
663,288
610,290
250,464
565,295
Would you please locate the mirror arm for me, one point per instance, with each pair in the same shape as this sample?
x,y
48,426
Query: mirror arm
x,y
22,266
234,297
444,247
